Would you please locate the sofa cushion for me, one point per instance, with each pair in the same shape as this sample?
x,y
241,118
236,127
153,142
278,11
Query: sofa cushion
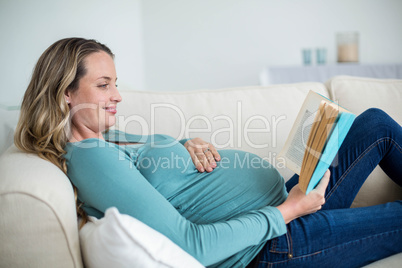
x,y
393,261
358,94
118,240
40,226
253,119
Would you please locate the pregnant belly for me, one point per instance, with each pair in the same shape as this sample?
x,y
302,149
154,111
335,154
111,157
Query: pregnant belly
x,y
241,182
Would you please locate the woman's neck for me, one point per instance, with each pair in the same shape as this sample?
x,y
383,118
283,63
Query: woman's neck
x,y
83,134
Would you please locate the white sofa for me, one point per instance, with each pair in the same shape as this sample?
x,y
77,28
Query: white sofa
x,y
38,224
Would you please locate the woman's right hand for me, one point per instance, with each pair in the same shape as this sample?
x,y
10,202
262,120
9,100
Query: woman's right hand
x,y
298,203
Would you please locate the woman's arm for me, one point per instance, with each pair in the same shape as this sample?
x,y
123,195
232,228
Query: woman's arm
x,y
105,177
298,203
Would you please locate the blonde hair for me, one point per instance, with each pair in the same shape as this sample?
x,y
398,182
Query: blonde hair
x,y
43,125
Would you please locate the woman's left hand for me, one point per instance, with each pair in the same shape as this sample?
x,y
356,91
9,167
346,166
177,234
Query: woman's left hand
x,y
203,154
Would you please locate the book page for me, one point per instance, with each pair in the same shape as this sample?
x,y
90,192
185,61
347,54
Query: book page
x,y
317,125
293,150
297,147
325,122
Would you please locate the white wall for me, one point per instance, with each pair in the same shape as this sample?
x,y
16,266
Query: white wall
x,y
192,44
28,27
224,43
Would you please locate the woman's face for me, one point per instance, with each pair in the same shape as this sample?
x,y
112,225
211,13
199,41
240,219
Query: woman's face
x,y
93,104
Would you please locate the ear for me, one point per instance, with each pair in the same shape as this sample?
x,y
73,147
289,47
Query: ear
x,y
67,95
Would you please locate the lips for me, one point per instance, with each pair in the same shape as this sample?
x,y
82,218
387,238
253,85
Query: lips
x,y
110,109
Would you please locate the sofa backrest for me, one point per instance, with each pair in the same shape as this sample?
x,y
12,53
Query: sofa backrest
x,y
253,119
38,223
358,94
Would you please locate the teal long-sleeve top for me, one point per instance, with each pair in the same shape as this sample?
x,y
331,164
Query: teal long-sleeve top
x,y
222,218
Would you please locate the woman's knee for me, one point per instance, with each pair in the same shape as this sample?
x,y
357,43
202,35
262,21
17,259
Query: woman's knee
x,y
374,113
378,121
375,117
371,122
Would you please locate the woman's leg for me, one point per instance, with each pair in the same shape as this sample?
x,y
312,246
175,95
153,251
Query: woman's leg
x,y
350,237
336,235
374,138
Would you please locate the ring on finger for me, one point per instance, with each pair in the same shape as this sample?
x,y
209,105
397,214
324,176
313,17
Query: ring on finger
x,y
206,150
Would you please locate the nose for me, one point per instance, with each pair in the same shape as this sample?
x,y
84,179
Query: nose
x,y
116,97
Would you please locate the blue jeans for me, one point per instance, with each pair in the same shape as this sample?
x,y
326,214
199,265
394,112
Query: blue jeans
x,y
339,236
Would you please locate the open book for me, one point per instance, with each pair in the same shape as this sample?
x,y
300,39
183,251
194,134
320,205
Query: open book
x,y
315,138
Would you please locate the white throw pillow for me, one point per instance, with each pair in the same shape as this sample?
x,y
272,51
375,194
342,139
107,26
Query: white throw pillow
x,y
119,240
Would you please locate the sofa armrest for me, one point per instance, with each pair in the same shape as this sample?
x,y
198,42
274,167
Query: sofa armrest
x,y
32,234
38,226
